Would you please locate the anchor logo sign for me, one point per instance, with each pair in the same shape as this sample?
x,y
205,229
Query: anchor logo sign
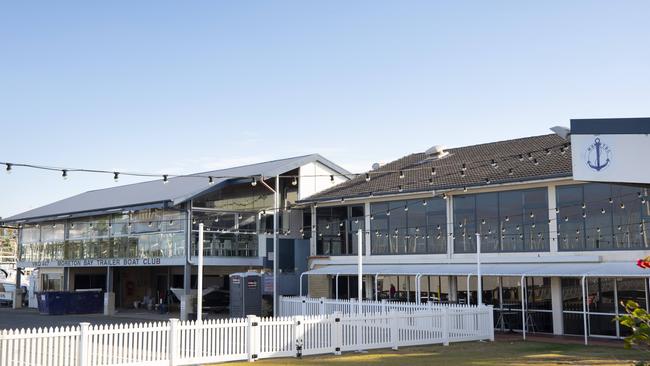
x,y
598,155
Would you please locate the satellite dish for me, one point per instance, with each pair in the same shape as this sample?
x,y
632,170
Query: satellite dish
x,y
375,166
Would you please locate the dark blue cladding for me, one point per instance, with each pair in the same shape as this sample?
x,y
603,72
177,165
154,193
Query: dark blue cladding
x,y
610,126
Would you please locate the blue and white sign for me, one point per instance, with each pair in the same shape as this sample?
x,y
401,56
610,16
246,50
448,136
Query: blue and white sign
x,y
611,150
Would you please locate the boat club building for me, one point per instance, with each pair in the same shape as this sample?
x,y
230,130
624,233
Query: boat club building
x,y
138,241
558,254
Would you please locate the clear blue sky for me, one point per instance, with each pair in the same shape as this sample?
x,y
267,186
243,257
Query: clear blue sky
x,y
187,86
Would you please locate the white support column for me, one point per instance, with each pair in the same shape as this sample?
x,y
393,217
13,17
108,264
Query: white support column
x,y
552,220
276,213
522,286
336,284
109,295
360,270
556,305
199,279
17,296
584,309
479,285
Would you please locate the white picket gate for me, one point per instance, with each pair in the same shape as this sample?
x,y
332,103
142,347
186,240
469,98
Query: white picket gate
x,y
251,338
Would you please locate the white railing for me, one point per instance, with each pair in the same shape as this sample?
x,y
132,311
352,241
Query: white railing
x,y
251,338
300,305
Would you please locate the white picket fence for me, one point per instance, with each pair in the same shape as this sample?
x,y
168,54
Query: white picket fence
x,y
251,338
301,305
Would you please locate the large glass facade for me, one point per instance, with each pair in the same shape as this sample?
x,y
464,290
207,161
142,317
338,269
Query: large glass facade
x,y
409,227
139,234
227,234
599,216
509,221
337,229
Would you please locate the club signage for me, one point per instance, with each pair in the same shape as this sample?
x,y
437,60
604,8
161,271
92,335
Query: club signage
x,y
113,262
610,150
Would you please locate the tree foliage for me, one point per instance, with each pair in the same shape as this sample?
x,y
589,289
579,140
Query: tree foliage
x,y
637,319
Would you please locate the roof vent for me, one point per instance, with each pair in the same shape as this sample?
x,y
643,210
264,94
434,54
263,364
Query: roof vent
x,y
435,152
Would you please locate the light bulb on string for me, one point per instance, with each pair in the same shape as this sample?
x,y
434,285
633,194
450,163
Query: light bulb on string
x,y
64,174
116,176
253,182
401,174
210,180
165,179
8,169
367,177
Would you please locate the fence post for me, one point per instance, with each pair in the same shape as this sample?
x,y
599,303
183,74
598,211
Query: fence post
x,y
321,306
383,306
198,339
299,325
445,326
490,328
83,344
393,323
253,329
303,306
172,346
337,333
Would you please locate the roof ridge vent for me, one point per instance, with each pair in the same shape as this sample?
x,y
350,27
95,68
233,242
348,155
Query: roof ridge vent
x,y
436,152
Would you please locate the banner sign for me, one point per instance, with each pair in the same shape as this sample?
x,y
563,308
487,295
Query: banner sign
x,y
610,150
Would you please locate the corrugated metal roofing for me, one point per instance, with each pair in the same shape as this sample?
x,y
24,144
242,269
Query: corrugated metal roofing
x,y
603,269
417,168
176,191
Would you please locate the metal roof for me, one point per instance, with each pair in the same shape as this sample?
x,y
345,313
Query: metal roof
x,y
602,269
176,191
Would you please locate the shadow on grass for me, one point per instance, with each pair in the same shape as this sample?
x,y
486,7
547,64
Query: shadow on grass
x,y
479,354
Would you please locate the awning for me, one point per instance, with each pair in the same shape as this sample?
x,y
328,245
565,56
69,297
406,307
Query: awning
x,y
606,269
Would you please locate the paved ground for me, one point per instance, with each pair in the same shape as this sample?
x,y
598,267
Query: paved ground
x,y
30,318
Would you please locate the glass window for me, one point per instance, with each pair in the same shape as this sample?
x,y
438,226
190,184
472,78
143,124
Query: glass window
x,y
436,221
600,295
397,226
631,289
569,217
145,221
538,293
598,223
464,223
379,227
599,216
509,221
487,212
512,225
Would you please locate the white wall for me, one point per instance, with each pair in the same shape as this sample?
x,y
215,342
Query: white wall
x,y
315,177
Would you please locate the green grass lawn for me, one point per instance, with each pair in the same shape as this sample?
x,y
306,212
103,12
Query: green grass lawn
x,y
500,353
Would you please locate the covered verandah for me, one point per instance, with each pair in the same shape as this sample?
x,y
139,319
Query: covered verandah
x,y
524,272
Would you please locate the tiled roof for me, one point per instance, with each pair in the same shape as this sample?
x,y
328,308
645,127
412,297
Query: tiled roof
x,y
545,161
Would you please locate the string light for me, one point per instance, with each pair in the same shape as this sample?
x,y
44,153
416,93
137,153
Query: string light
x,y
8,169
433,171
253,182
165,179
294,182
401,174
367,177
116,176
64,174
